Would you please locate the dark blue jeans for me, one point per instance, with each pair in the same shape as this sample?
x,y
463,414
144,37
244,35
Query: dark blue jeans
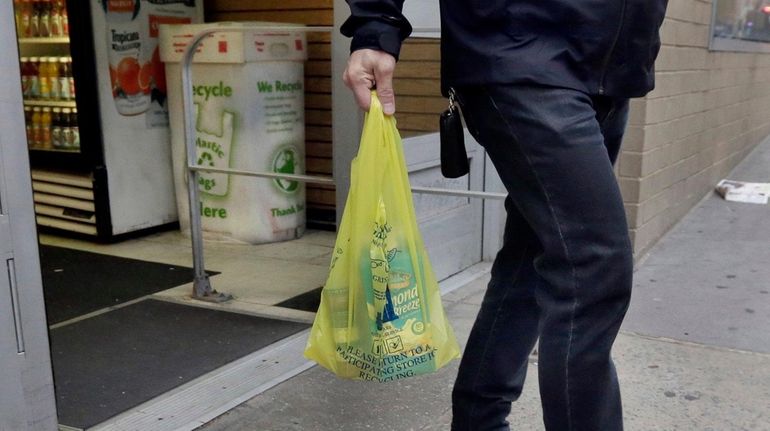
x,y
564,271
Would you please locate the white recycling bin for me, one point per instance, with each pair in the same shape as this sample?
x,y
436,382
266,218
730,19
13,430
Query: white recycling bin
x,y
248,90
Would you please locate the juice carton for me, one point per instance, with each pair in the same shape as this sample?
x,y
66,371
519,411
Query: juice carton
x,y
130,66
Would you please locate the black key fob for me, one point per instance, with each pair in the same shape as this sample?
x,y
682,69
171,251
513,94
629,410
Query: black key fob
x,y
454,159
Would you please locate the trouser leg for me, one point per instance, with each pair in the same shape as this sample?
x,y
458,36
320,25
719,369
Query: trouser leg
x,y
494,365
548,147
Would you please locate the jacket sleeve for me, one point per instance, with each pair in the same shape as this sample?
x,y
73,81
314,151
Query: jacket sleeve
x,y
376,24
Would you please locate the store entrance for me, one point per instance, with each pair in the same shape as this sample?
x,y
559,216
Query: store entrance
x,y
124,329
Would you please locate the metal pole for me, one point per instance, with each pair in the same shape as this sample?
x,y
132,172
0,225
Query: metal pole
x,y
460,193
329,180
201,284
293,177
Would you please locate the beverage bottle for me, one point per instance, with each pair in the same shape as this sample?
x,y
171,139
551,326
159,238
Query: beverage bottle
x,y
34,77
45,83
56,30
65,23
28,124
75,142
34,22
26,17
70,79
36,132
53,77
64,76
17,16
26,89
66,127
56,129
45,18
45,126
52,72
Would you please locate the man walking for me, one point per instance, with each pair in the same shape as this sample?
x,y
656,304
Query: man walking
x,y
544,86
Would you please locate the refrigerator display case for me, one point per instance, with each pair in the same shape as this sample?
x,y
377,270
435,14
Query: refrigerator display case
x,y
96,112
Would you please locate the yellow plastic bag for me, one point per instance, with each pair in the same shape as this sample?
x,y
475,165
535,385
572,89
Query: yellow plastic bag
x,y
380,317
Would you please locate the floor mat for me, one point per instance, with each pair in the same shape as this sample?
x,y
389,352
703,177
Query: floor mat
x,y
110,363
78,282
308,301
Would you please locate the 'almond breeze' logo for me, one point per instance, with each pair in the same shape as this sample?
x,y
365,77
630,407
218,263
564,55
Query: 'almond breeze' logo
x,y
286,161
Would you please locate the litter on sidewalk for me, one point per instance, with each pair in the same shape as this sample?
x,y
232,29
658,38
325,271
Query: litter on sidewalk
x,y
739,191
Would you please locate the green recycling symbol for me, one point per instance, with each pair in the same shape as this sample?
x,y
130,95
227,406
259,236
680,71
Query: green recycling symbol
x,y
206,158
286,161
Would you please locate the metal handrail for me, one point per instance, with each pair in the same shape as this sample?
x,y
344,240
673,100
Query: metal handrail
x,y
201,284
322,179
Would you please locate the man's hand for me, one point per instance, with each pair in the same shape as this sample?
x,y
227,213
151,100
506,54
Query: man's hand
x,y
366,69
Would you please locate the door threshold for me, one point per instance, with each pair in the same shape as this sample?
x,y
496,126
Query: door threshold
x,y
196,403
201,400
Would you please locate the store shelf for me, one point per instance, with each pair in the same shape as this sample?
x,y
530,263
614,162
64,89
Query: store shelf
x,y
53,103
73,160
56,150
45,40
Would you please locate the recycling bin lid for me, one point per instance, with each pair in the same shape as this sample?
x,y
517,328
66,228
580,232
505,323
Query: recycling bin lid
x,y
233,46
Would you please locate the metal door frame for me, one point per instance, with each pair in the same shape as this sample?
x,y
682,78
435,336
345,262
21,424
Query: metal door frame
x,y
27,399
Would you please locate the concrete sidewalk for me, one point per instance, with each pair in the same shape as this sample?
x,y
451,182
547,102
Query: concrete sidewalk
x,y
694,353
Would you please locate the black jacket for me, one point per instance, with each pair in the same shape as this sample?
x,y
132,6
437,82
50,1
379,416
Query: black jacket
x,y
595,46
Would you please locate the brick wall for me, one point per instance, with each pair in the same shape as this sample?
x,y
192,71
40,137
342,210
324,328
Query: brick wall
x,y
709,109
